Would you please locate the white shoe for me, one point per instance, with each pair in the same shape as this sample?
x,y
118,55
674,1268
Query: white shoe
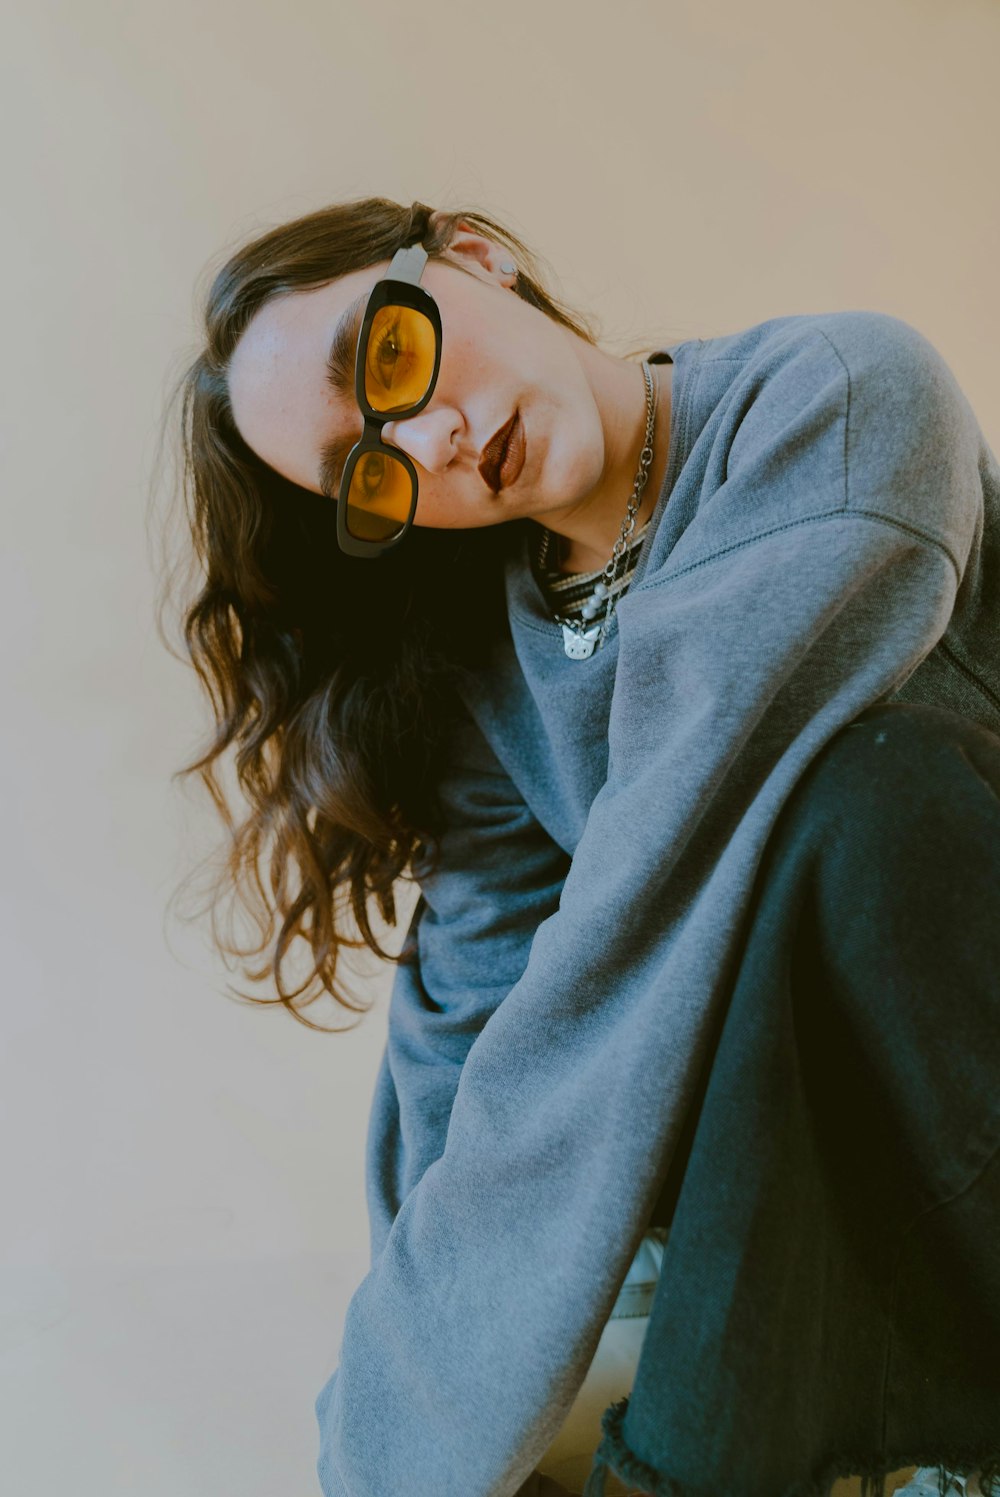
x,y
925,1483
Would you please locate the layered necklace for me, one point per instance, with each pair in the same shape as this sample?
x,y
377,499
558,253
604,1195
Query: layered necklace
x,y
580,640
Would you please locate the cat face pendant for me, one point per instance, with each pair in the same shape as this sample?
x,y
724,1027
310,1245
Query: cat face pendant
x,y
580,646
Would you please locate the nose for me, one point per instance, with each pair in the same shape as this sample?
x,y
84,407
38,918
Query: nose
x,y
428,438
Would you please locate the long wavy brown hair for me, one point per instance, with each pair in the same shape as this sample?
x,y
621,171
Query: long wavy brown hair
x,y
331,678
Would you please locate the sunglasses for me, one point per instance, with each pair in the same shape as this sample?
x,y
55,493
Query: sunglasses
x,y
398,358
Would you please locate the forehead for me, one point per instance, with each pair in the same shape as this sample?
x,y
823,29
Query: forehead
x,y
283,406
291,332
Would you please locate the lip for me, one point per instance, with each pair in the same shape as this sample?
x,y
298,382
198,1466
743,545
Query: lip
x,y
495,453
514,459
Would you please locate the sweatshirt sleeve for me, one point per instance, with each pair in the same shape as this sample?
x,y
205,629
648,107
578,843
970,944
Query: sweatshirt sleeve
x,y
499,875
819,571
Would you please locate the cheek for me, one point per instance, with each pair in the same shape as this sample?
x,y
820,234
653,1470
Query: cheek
x,y
572,448
458,501
478,364
439,507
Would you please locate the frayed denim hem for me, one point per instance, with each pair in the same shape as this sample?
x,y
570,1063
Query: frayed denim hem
x,y
951,1467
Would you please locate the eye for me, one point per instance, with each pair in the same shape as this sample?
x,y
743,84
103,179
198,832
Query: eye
x,y
384,353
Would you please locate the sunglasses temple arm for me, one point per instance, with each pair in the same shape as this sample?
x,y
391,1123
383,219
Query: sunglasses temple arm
x,y
407,264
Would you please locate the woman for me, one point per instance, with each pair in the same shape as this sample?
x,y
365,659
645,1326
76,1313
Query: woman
x,y
674,684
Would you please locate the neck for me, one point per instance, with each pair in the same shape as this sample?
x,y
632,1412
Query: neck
x,y
584,541
560,556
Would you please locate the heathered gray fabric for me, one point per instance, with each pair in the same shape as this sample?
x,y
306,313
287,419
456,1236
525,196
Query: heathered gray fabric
x,y
827,537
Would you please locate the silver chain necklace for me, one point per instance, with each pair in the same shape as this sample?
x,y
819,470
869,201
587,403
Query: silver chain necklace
x,y
581,640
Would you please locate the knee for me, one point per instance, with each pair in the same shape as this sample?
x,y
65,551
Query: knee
x,y
904,776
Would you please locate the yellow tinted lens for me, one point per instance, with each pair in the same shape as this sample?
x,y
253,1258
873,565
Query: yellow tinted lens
x,y
379,497
399,358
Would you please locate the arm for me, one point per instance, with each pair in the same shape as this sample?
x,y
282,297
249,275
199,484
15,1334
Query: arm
x,y
500,875
820,572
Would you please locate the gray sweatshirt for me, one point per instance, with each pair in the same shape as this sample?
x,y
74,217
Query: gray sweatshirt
x,y
827,537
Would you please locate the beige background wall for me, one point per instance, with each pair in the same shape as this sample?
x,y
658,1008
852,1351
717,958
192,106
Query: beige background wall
x,y
183,1214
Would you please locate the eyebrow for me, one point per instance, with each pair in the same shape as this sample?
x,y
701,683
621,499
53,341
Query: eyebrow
x,y
340,377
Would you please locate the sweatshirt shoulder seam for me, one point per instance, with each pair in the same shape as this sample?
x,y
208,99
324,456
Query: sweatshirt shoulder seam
x,y
874,516
805,328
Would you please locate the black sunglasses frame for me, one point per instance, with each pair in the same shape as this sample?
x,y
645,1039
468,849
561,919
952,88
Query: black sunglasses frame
x,y
400,286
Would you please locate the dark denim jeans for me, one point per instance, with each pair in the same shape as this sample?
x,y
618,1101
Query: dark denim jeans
x,y
829,1303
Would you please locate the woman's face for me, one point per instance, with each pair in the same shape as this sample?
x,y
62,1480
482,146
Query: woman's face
x,y
581,410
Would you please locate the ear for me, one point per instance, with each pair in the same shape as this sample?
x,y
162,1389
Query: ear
x,y
471,251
